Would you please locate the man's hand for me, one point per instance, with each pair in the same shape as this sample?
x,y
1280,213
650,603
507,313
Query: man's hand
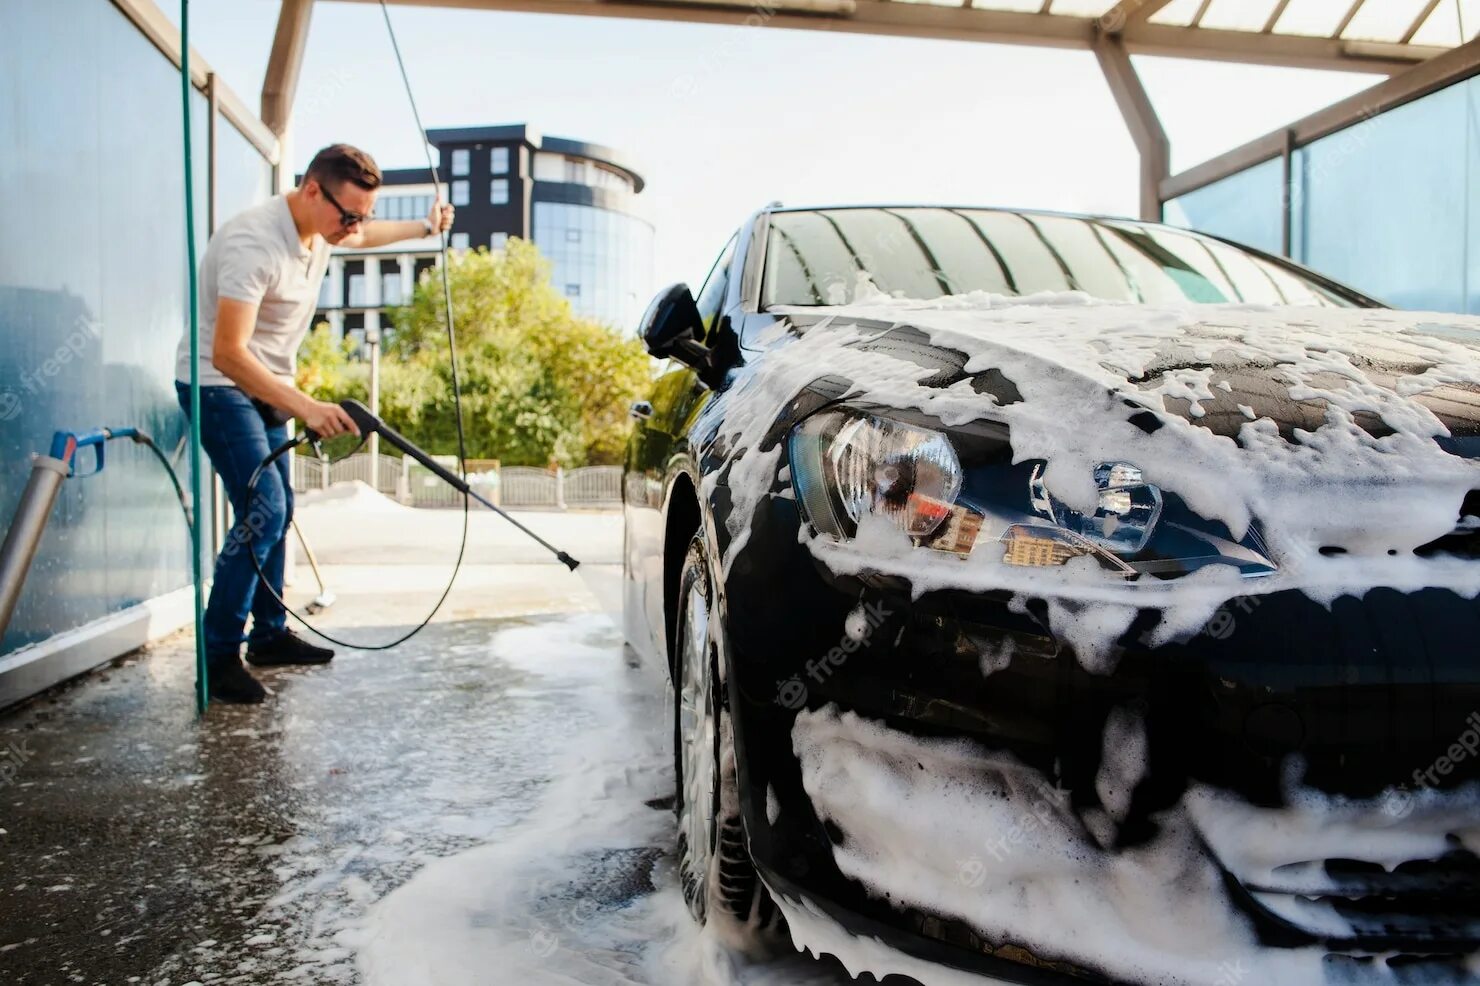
x,y
328,420
440,218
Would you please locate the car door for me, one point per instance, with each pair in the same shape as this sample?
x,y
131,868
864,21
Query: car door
x,y
657,437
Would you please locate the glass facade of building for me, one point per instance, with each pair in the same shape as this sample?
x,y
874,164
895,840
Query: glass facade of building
x,y
600,258
398,207
93,295
1390,205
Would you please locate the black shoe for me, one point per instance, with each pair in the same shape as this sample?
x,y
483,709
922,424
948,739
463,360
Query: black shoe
x,y
230,682
286,647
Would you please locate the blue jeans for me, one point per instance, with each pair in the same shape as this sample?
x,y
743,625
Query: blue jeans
x,y
236,438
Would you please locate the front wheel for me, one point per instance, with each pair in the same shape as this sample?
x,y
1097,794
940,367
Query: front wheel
x,y
720,882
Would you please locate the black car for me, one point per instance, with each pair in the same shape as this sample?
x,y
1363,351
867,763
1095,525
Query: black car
x,y
1057,599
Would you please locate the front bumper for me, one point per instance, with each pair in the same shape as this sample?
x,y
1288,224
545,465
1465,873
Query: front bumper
x,y
1358,706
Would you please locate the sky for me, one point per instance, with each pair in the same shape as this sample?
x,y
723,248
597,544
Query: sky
x,y
721,120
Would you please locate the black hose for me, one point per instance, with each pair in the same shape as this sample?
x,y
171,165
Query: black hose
x,y
140,438
266,464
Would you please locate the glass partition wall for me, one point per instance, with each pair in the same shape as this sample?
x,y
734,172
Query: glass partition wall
x,y
93,295
1389,205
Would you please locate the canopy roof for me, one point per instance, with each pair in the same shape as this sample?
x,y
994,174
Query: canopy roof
x,y
1357,35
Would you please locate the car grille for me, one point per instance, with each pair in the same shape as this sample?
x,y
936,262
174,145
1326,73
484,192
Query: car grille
x,y
1422,907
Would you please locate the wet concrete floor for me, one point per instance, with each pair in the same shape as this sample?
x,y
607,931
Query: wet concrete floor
x,y
144,845
490,799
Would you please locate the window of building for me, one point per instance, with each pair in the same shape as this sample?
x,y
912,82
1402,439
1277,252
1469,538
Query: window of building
x,y
461,162
401,207
498,161
390,288
572,235
459,241
498,241
607,178
572,290
498,191
549,167
357,290
460,193
575,171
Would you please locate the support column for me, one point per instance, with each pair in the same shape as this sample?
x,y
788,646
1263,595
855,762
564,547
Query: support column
x,y
1287,193
372,343
1140,118
372,346
335,279
284,64
408,277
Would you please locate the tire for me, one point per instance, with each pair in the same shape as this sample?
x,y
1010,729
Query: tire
x,y
719,880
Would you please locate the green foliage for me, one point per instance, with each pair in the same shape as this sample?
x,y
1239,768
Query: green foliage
x,y
326,366
537,381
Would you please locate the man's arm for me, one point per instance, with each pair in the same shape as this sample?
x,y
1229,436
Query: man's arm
x,y
381,232
235,321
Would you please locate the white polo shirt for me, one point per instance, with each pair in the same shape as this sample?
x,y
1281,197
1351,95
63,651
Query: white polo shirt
x,y
256,257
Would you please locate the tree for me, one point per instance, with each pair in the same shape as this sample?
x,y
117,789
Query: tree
x,y
326,366
537,381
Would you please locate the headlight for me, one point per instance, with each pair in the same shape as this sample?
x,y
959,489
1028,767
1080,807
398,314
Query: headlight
x,y
949,490
849,465
1126,516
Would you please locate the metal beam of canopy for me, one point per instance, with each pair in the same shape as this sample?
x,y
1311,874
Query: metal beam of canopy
x,y
978,20
1140,118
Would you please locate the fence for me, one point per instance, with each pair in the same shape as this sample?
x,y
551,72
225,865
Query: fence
x,y
509,486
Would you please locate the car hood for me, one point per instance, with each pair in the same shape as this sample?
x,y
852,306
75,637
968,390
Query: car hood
x,y
1217,367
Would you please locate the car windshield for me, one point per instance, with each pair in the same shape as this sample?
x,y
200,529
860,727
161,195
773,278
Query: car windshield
x,y
816,258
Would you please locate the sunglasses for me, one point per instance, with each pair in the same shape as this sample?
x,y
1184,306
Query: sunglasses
x,y
346,218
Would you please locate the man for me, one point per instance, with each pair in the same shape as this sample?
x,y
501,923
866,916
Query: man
x,y
259,283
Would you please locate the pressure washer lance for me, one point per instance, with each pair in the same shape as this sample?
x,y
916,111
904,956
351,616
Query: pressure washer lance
x,y
368,422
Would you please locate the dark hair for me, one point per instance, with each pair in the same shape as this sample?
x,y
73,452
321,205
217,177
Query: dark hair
x,y
340,163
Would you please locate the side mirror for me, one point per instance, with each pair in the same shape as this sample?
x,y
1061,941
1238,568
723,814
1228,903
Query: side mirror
x,y
671,328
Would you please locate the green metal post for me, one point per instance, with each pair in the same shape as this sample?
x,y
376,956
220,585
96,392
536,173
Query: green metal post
x,y
197,485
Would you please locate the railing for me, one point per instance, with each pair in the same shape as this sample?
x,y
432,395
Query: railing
x,y
523,486
509,486
594,484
